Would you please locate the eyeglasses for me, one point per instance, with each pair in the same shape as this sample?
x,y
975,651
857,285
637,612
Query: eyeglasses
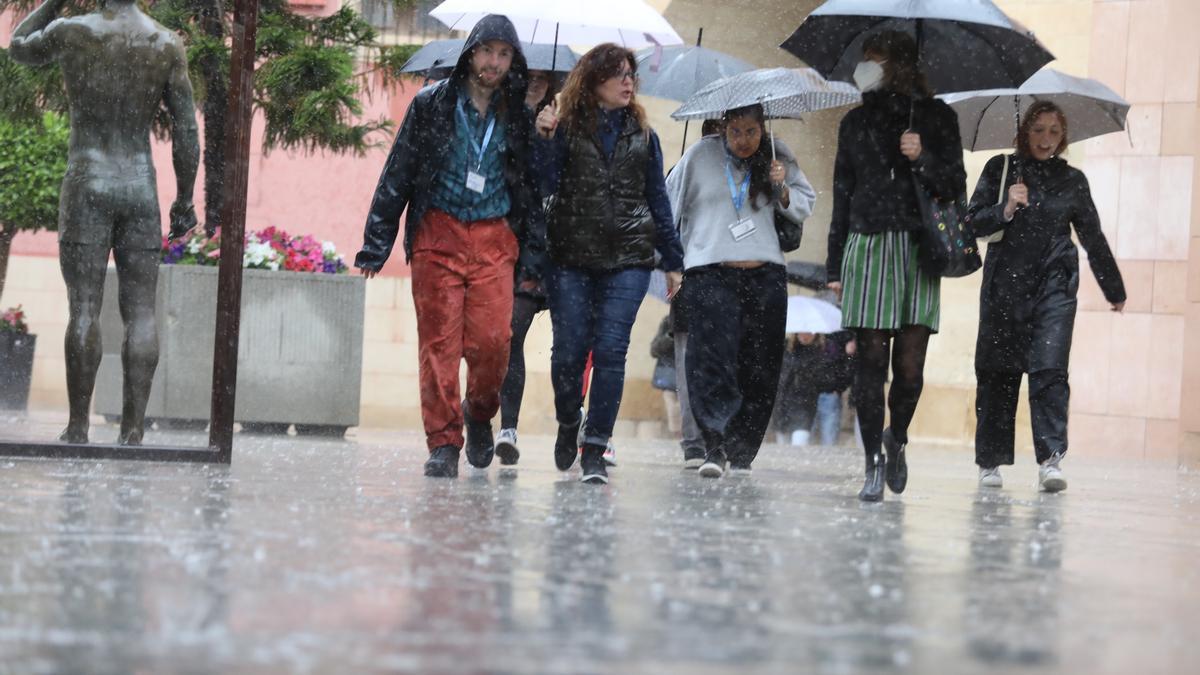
x,y
625,75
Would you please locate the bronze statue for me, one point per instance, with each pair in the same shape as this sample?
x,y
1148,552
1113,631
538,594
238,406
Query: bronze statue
x,y
119,66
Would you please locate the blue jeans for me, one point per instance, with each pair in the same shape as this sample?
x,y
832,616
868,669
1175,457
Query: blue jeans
x,y
829,417
592,311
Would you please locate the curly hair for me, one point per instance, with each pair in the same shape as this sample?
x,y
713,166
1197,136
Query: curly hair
x,y
578,104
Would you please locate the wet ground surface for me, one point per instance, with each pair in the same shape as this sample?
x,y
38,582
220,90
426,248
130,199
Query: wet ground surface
x,y
338,556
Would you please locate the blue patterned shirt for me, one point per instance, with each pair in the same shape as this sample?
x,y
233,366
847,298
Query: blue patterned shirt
x,y
449,190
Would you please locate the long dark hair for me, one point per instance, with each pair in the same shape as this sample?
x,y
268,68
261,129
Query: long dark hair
x,y
901,72
578,104
760,161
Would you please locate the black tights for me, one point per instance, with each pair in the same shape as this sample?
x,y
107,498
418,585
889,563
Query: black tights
x,y
513,390
906,352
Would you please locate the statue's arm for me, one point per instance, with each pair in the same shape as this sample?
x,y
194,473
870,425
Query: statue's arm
x,y
185,142
38,39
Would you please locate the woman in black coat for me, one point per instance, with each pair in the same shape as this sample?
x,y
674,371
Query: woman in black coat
x,y
1028,299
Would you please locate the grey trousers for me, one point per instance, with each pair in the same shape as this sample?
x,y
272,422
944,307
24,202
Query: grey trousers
x,y
691,432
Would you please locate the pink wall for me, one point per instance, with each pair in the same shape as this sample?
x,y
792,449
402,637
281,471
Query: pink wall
x,y
321,194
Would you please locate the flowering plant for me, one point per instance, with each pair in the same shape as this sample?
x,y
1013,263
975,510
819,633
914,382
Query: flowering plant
x,y
13,321
269,249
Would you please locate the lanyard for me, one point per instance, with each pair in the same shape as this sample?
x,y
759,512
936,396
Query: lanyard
x,y
736,193
487,135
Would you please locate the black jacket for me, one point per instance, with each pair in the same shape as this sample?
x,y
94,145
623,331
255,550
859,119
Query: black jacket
x,y
1032,274
872,186
599,217
419,153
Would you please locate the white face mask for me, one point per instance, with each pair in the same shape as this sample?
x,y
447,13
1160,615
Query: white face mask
x,y
868,75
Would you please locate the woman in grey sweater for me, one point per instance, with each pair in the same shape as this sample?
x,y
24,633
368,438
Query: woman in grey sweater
x,y
726,193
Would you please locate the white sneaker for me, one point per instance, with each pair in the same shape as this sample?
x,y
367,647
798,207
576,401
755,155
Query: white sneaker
x,y
610,454
990,478
506,447
800,437
1050,476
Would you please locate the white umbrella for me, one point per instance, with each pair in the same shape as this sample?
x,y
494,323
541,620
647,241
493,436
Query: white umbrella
x,y
629,23
810,315
782,92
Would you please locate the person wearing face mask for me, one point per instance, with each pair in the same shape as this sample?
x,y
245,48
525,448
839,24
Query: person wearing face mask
x,y
601,164
1027,302
898,133
725,193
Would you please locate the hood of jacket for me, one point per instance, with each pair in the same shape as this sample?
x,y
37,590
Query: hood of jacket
x,y
496,27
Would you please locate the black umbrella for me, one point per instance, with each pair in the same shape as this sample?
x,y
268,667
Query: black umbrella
x,y
435,60
963,44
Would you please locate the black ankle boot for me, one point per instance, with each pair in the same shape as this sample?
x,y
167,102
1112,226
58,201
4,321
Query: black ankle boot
x,y
566,447
592,464
872,490
897,467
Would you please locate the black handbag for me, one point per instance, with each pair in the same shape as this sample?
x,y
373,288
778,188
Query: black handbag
x,y
789,233
946,242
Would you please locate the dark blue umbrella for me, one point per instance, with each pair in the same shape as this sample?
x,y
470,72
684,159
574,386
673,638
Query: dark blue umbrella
x,y
963,44
436,59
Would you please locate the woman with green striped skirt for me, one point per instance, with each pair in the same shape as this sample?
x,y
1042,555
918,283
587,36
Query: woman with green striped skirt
x,y
893,306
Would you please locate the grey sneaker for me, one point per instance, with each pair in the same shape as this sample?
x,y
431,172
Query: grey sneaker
x,y
506,447
989,477
714,465
693,458
1050,476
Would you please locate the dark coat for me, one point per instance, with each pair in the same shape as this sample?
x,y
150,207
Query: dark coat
x,y
599,217
418,153
873,189
1031,276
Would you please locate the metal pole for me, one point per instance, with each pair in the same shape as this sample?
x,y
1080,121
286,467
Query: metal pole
x,y
233,227
683,146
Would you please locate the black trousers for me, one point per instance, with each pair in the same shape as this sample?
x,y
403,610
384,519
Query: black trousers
x,y
513,390
734,352
996,412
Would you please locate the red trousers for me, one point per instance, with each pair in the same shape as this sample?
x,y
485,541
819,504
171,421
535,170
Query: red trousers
x,y
462,285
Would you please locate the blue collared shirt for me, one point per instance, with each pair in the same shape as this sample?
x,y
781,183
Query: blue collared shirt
x,y
449,190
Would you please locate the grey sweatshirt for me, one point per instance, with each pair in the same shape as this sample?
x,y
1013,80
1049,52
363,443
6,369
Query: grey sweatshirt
x,y
703,206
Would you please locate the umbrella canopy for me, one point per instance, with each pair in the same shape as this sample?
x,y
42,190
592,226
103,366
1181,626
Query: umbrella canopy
x,y
677,72
810,315
436,59
630,23
986,118
964,44
783,93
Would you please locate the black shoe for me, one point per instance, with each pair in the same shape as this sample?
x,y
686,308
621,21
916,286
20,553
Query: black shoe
x,y
565,447
714,465
595,470
897,467
442,462
739,467
480,445
693,458
872,490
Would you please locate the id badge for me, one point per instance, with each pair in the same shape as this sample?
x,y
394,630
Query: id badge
x,y
742,229
475,182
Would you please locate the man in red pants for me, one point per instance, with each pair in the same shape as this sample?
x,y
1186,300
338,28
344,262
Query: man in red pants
x,y
461,165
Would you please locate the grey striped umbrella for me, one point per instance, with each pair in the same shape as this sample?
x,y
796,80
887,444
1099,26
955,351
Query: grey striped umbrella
x,y
785,93
986,118
680,71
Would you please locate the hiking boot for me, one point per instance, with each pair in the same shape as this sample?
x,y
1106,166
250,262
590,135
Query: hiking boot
x,y
566,446
896,467
989,477
506,447
442,462
872,490
714,465
480,446
593,465
693,458
1050,476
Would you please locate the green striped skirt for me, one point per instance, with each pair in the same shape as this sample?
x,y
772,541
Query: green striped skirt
x,y
884,287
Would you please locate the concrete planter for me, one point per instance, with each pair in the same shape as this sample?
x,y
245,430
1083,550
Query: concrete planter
x,y
299,356
16,369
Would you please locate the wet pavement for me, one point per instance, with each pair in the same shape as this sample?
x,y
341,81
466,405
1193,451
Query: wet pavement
x,y
324,556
